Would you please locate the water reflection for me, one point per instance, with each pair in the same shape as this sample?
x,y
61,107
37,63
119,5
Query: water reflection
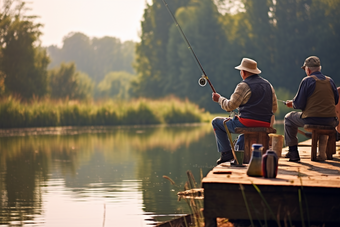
x,y
112,177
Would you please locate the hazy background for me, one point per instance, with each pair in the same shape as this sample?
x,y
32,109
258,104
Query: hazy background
x,y
124,50
117,18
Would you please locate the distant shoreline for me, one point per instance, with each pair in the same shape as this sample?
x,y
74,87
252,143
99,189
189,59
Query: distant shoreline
x,y
74,130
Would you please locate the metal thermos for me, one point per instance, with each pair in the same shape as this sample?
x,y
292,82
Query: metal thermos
x,y
270,163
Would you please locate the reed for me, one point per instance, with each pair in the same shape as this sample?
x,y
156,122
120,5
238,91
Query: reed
x,y
194,200
139,112
300,194
267,205
49,113
193,196
246,203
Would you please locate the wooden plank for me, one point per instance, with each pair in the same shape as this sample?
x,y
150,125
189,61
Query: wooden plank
x,y
255,130
318,183
319,127
227,201
181,221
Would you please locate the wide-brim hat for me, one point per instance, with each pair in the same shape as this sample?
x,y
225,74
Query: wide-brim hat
x,y
248,65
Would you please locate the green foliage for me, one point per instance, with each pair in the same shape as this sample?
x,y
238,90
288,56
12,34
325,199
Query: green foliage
x,y
115,85
183,70
41,115
279,35
96,57
75,115
151,51
326,45
85,88
106,115
66,82
174,113
23,65
142,114
15,114
2,84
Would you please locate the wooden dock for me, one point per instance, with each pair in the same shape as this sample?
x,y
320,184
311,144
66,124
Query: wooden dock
x,y
307,192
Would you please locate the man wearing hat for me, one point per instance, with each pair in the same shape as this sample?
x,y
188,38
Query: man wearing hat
x,y
317,97
256,101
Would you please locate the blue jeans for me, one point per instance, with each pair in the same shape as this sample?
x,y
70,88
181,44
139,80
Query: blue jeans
x,y
222,141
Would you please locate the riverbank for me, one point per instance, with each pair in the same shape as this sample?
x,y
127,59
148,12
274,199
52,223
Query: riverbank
x,y
54,113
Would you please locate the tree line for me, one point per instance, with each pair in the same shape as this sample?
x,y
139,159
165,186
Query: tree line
x,y
82,68
278,34
104,64
95,57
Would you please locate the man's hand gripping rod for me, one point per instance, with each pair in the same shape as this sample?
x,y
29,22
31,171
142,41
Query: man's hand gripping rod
x,y
203,80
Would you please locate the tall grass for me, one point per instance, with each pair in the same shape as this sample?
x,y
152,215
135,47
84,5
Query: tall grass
x,y
50,113
193,196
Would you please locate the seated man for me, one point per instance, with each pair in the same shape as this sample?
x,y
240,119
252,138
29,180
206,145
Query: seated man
x,y
256,100
317,97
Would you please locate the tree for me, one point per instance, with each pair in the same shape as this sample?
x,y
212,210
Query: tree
x,y
279,35
200,22
66,82
107,56
261,44
163,62
326,44
128,56
85,88
23,64
292,24
151,63
115,85
77,48
96,57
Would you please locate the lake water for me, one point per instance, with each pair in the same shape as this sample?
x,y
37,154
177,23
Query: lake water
x,y
109,176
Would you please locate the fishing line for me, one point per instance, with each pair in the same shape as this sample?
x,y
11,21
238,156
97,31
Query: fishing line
x,y
203,80
284,102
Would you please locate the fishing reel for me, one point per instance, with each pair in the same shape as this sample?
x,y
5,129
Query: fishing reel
x,y
202,81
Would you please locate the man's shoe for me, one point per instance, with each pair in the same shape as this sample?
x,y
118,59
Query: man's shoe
x,y
292,149
225,157
294,156
288,155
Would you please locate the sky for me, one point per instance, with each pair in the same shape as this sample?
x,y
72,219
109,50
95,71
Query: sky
x,y
99,18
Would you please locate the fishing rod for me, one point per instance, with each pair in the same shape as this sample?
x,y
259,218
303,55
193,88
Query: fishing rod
x,y
284,102
203,80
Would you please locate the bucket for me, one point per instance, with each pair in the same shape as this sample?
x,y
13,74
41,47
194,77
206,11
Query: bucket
x,y
239,157
276,143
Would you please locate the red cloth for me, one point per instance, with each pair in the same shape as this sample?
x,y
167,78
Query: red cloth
x,y
253,123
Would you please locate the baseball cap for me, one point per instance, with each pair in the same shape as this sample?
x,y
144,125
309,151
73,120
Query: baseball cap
x,y
312,61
